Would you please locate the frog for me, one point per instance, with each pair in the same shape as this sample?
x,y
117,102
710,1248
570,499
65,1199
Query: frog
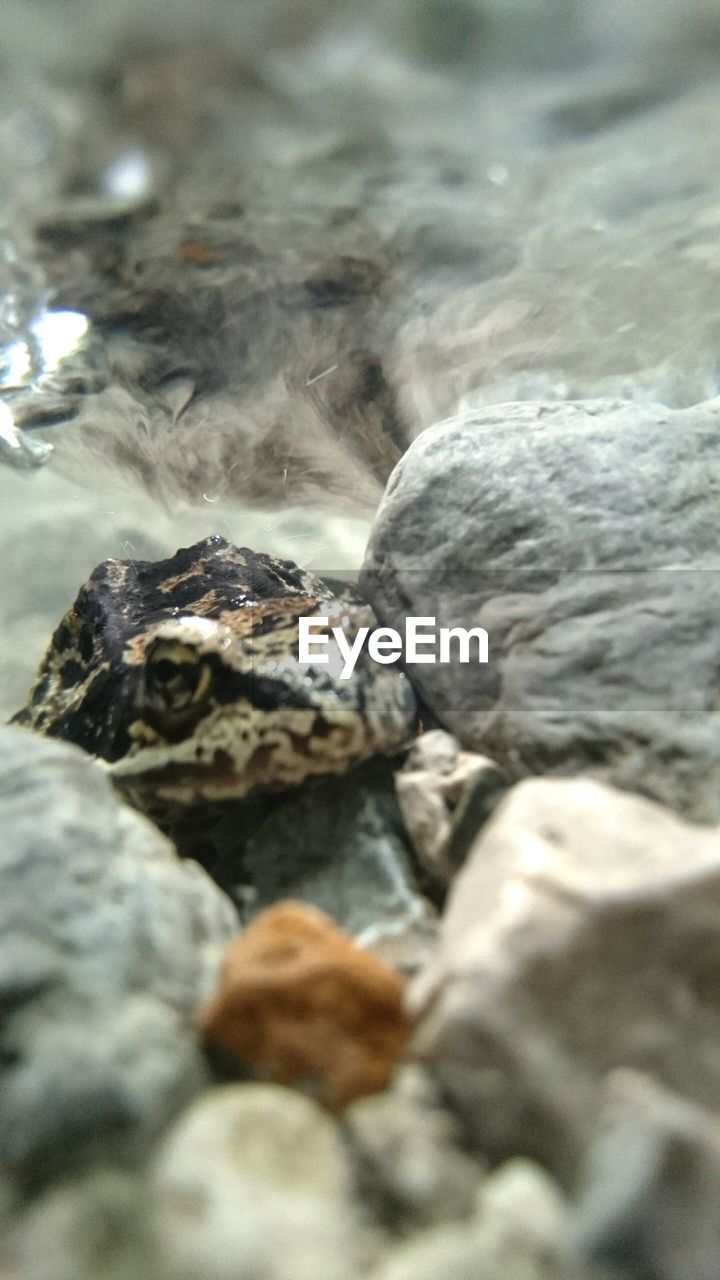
x,y
182,677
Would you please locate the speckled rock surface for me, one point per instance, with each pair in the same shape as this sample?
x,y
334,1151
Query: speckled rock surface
x,y
108,943
593,576
581,935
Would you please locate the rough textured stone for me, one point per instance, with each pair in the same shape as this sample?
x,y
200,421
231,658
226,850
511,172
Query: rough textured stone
x,y
445,794
582,934
582,536
649,1203
518,1232
300,1003
108,942
337,843
254,1181
409,1164
86,1228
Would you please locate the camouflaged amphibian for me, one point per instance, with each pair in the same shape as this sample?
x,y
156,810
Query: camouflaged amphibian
x,y
184,675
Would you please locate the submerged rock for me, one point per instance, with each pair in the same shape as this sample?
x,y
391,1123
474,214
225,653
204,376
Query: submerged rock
x,y
251,1180
337,843
300,1003
445,795
254,1181
406,1147
583,538
651,1184
85,1227
582,934
108,943
519,1231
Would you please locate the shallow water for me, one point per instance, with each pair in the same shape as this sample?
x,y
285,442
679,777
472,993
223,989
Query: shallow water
x,y
536,185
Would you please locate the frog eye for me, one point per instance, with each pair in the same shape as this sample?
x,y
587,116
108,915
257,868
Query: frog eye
x,y
177,677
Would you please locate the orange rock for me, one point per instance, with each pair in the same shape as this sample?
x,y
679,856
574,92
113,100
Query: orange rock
x,y
303,1005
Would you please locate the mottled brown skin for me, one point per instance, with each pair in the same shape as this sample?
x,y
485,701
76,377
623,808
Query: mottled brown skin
x,y
183,675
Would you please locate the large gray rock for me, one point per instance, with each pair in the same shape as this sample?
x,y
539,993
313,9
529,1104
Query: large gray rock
x,y
108,944
583,934
583,538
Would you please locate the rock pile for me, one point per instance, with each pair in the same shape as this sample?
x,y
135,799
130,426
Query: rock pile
x,y
528,1090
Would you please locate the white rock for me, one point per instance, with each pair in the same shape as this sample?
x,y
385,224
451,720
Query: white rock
x,y
519,1232
254,1182
445,794
582,934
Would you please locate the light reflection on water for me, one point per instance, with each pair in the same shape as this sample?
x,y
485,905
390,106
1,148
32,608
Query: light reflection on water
x,y
58,335
129,176
52,337
17,364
